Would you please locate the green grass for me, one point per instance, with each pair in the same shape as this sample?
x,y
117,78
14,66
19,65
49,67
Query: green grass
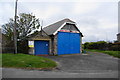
x,y
26,61
0,60
112,53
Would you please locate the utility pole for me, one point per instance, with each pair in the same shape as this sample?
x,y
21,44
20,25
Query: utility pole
x,y
15,25
41,27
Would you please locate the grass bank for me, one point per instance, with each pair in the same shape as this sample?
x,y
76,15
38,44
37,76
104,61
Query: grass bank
x,y
112,53
26,61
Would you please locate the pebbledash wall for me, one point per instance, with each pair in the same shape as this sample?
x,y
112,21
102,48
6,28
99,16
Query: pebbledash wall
x,y
62,37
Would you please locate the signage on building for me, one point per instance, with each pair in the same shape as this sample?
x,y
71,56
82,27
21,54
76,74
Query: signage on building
x,y
31,43
75,31
65,30
69,31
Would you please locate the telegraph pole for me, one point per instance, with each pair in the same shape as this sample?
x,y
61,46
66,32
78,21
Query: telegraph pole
x,y
41,27
15,25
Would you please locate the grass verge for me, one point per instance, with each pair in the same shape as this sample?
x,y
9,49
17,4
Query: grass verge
x,y
112,53
26,61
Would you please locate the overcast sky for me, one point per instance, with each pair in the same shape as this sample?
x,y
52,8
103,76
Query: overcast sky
x,y
96,19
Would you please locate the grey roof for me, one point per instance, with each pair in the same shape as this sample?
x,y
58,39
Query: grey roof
x,y
118,34
54,27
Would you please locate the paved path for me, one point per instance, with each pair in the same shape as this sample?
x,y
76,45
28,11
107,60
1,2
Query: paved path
x,y
93,65
86,63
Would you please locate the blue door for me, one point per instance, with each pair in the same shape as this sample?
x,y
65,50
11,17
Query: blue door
x,y
68,43
74,43
41,47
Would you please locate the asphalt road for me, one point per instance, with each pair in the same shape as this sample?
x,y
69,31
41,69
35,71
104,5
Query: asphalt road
x,y
93,65
85,63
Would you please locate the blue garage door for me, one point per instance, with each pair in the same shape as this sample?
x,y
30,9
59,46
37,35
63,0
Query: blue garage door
x,y
68,43
41,47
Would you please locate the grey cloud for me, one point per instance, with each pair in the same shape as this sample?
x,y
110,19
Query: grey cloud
x,y
89,23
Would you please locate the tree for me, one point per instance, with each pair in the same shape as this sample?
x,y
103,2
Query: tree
x,y
7,29
26,23
86,45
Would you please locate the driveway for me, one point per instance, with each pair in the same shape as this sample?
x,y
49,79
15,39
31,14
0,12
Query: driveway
x,y
91,62
91,65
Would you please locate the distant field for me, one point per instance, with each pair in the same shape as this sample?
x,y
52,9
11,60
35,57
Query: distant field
x,y
112,53
26,61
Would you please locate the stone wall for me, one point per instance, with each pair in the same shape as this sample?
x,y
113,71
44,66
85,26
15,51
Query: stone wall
x,y
55,44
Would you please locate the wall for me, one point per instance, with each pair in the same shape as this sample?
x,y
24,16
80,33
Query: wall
x,y
31,50
80,44
55,45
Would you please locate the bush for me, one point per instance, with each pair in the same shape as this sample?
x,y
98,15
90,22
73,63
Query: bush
x,y
23,47
115,47
95,45
102,45
8,47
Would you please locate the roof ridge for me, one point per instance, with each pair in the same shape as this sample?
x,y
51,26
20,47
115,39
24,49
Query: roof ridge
x,y
60,21
50,29
53,23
